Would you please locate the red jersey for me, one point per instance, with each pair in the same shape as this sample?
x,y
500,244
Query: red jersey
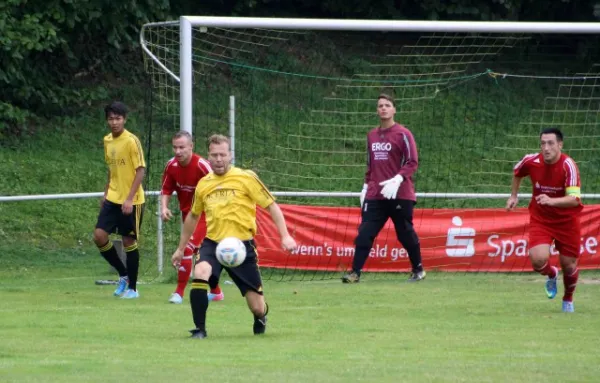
x,y
391,151
183,180
554,180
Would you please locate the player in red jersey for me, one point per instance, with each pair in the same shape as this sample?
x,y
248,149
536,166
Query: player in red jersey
x,y
554,212
181,175
389,191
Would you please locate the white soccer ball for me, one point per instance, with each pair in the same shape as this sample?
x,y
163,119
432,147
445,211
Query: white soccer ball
x,y
231,252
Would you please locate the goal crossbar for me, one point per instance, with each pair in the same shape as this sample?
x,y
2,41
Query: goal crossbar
x,y
391,25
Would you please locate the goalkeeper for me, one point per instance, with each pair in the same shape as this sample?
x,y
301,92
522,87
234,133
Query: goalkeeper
x,y
388,191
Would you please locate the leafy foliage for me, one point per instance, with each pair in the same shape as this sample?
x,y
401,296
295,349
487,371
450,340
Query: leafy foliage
x,y
54,50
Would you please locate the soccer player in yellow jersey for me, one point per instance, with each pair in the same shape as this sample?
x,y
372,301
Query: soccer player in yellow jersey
x,y
123,202
228,196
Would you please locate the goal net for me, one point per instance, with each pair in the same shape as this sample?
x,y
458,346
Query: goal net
x,y
300,103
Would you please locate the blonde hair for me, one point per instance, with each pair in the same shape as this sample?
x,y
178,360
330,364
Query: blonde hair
x,y
218,139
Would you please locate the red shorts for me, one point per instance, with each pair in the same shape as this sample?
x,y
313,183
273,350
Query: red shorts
x,y
566,236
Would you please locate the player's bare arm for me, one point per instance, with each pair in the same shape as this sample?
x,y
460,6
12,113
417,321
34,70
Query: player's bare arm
x,y
513,200
127,207
287,242
165,213
189,225
560,202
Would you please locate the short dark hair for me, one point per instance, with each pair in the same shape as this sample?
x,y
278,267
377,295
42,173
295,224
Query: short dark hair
x,y
387,97
183,133
116,107
555,131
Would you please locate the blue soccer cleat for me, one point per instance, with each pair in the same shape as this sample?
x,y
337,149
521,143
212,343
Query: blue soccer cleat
x,y
551,288
130,294
216,297
121,286
568,307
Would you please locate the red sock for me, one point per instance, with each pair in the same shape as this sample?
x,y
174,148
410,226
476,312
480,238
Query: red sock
x,y
183,274
547,270
216,290
570,282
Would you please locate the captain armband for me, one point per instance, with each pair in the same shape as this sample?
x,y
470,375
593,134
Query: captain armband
x,y
574,191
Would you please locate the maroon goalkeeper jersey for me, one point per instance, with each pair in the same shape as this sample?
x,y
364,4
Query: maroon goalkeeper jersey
x,y
391,151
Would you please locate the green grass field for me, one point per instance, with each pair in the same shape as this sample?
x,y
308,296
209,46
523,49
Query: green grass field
x,y
56,325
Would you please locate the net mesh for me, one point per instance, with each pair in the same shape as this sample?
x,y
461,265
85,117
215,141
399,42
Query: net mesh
x,y
305,101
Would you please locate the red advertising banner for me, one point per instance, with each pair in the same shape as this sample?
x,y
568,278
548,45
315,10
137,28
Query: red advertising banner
x,y
451,240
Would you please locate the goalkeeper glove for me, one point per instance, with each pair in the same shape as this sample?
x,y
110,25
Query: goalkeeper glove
x,y
363,194
390,187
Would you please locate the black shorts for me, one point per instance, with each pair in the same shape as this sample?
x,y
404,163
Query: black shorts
x,y
375,214
112,220
246,276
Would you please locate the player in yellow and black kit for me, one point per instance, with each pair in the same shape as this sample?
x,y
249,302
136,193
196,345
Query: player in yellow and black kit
x,y
228,196
123,203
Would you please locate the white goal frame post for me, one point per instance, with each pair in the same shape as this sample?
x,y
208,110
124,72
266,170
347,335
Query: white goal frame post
x,y
185,78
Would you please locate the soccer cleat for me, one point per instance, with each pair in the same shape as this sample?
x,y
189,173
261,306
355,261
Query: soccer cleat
x,y
216,297
121,286
551,288
176,298
130,294
260,324
568,307
352,277
198,334
417,276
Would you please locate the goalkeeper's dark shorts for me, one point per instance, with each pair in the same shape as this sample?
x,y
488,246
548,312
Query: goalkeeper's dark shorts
x,y
376,212
245,276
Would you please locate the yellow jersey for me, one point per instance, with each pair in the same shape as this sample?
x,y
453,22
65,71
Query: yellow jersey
x,y
229,202
123,156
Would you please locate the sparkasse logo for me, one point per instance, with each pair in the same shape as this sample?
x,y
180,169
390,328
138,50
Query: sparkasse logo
x,y
461,240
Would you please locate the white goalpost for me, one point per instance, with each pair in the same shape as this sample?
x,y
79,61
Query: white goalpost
x,y
188,25
297,98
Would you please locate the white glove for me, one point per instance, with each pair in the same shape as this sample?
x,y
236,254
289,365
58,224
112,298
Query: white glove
x,y
363,194
390,187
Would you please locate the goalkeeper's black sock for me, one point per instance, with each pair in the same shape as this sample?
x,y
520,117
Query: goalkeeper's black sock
x,y
414,255
199,302
109,253
360,258
133,264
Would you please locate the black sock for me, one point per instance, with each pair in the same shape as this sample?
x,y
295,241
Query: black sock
x,y
199,302
133,265
360,258
109,253
414,255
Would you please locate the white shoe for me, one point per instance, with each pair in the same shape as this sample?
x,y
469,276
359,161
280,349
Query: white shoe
x,y
130,294
176,298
